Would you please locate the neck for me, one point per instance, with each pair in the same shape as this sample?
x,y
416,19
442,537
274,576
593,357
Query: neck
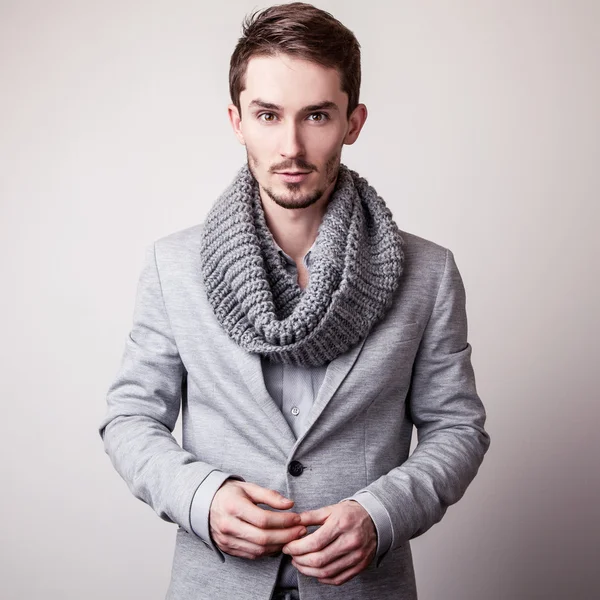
x,y
295,230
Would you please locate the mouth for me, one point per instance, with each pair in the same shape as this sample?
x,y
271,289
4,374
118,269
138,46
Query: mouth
x,y
293,176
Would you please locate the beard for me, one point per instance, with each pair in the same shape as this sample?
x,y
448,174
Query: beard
x,y
295,199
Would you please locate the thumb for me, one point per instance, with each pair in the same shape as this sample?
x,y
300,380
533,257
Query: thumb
x,y
261,495
315,517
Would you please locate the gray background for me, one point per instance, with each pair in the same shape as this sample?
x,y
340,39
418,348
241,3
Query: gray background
x,y
483,135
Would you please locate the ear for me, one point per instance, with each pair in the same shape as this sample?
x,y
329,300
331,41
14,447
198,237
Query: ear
x,y
355,123
236,123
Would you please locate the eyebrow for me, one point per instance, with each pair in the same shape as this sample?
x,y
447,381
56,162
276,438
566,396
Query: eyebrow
x,y
325,105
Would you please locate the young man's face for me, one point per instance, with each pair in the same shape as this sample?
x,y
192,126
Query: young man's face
x,y
294,121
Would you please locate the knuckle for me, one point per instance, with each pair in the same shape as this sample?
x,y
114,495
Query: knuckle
x,y
261,521
320,562
225,528
316,562
261,539
287,522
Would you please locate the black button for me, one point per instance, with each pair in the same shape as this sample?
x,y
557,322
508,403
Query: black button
x,y
295,468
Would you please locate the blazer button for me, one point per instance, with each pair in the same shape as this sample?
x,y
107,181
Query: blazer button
x,y
295,468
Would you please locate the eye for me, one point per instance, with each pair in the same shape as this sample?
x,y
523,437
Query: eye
x,y
324,117
266,114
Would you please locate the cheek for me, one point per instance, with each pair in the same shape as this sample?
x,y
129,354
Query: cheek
x,y
260,143
327,143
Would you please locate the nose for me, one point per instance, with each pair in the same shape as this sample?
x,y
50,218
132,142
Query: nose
x,y
291,142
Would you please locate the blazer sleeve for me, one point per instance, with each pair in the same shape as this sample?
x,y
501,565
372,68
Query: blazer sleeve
x,y
143,404
449,417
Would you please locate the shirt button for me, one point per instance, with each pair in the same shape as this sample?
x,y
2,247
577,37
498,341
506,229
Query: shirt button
x,y
295,468
295,411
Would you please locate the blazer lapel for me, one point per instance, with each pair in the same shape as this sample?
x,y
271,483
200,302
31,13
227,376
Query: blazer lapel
x,y
250,367
337,370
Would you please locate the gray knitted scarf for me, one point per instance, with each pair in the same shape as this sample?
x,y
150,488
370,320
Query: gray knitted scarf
x,y
355,268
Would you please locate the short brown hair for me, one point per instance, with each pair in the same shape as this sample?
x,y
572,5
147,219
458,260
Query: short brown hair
x,y
303,31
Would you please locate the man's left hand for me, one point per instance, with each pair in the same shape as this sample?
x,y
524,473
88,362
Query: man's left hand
x,y
342,547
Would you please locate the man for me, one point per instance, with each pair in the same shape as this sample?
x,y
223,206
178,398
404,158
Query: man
x,y
303,334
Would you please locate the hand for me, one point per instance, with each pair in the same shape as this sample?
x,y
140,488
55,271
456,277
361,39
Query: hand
x,y
240,528
343,547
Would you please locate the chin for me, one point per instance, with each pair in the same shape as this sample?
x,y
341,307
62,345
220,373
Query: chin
x,y
298,200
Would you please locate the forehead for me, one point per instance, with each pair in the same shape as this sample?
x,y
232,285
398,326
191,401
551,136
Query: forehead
x,y
290,82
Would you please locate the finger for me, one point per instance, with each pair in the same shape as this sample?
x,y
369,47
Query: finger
x,y
245,549
329,569
261,495
331,553
315,517
342,577
267,519
266,537
313,542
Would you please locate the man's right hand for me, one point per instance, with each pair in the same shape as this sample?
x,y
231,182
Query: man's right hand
x,y
240,528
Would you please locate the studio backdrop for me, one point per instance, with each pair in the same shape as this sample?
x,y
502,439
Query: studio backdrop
x,y
483,135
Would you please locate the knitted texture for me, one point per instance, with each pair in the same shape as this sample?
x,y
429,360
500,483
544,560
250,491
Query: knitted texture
x,y
356,265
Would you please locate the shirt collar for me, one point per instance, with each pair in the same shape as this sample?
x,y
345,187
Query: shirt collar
x,y
290,260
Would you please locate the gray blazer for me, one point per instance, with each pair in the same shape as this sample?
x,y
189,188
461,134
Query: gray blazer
x,y
414,368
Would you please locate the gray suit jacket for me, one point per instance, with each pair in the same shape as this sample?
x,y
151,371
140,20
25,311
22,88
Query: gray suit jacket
x,y
414,368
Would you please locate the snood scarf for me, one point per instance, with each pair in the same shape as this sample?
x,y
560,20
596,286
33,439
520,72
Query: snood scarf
x,y
355,269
